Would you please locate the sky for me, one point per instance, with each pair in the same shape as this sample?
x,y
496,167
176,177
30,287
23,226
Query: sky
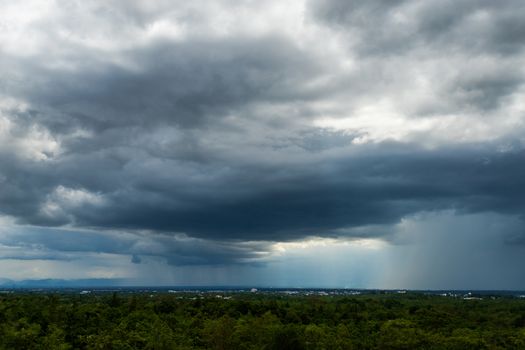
x,y
301,143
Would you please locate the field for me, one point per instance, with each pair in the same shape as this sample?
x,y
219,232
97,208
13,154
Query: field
x,y
262,320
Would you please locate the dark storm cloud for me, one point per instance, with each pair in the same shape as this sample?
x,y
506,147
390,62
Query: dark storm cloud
x,y
23,186
169,83
351,192
199,144
256,202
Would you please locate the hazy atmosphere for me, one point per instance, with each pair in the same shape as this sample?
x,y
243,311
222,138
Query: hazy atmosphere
x,y
361,144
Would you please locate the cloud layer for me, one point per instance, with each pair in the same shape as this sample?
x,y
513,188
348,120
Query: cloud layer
x,y
205,133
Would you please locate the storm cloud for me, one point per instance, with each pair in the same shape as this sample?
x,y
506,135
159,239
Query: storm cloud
x,y
205,134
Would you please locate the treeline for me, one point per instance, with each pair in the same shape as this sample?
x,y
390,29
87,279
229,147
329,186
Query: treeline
x,y
246,321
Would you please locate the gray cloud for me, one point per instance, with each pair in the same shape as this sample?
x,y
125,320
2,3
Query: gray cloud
x,y
207,141
181,84
468,51
391,27
268,202
32,243
135,259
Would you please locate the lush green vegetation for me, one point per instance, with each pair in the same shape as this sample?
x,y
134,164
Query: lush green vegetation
x,y
248,321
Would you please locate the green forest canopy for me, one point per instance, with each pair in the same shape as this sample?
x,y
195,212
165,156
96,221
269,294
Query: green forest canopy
x,y
258,321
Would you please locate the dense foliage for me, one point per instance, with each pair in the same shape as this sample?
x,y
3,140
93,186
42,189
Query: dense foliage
x,y
254,321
